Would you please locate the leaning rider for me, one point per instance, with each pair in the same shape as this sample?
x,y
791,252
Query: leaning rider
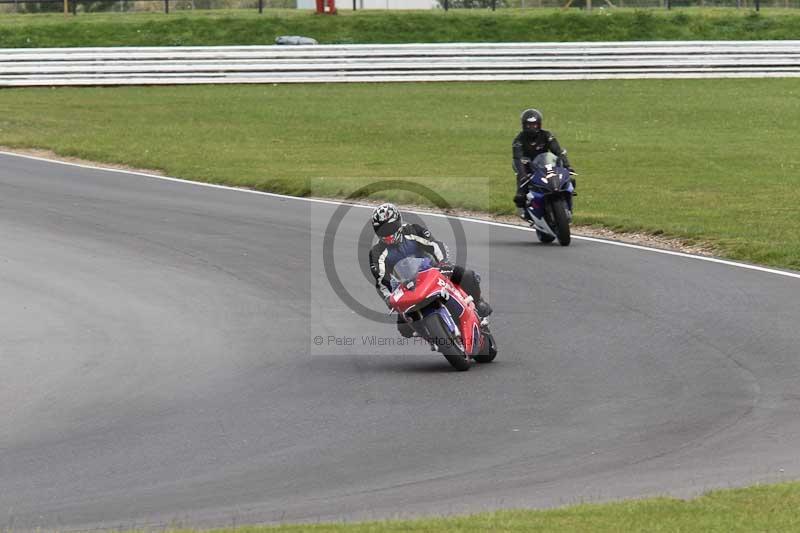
x,y
529,143
398,241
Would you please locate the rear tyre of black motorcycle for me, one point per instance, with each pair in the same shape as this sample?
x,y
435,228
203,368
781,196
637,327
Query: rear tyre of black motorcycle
x,y
562,221
489,351
544,237
445,342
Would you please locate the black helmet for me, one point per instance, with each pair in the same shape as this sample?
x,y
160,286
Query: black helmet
x,y
531,120
387,222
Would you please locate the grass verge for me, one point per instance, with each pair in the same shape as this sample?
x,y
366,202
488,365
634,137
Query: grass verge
x,y
702,160
249,28
762,508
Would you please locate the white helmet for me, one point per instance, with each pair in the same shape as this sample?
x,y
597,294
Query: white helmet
x,y
387,222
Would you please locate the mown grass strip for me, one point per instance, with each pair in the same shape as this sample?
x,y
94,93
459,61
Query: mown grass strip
x,y
762,508
247,27
703,160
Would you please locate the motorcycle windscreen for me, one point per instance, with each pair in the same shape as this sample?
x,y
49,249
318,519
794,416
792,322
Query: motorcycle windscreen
x,y
407,269
546,161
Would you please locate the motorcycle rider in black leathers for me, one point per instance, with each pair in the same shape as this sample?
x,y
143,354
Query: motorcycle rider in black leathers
x,y
529,143
398,241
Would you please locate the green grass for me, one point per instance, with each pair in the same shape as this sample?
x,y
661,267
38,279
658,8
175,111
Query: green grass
x,y
247,27
762,508
704,160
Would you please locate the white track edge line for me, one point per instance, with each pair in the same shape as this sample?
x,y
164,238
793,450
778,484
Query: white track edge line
x,y
425,213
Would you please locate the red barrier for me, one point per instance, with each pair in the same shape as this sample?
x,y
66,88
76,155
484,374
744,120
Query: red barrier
x,y
326,7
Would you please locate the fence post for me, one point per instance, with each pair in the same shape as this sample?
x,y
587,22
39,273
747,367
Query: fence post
x,y
166,7
758,5
260,6
494,4
74,7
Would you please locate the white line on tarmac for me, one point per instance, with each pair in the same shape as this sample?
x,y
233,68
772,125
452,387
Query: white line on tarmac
x,y
425,213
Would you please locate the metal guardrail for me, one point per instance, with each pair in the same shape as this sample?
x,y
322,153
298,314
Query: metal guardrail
x,y
389,63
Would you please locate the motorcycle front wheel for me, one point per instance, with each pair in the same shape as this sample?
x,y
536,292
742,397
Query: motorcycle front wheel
x,y
445,342
561,220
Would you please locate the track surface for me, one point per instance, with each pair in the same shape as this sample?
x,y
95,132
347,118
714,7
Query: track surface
x,y
158,366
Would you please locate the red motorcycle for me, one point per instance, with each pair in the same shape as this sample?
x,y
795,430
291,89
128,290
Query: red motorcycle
x,y
440,312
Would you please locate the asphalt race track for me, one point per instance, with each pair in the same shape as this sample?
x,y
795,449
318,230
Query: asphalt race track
x,y
159,366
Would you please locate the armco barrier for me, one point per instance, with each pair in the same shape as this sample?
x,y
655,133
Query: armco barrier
x,y
407,62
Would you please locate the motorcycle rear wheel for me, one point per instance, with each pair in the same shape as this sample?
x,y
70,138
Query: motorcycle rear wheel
x,y
445,342
544,237
489,352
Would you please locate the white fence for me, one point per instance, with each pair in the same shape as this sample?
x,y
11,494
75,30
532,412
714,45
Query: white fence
x,y
389,63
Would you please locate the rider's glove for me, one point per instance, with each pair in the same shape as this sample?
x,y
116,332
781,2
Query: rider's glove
x,y
446,268
385,294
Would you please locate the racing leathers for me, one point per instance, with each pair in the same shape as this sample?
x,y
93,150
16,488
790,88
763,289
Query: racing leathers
x,y
416,241
526,146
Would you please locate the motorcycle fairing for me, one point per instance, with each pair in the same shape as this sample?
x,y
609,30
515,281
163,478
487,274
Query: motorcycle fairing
x,y
542,185
431,285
